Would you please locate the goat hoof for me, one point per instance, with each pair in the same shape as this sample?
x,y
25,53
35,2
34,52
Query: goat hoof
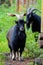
x,y
14,59
21,59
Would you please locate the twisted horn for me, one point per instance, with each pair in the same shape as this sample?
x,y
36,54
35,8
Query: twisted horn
x,y
34,9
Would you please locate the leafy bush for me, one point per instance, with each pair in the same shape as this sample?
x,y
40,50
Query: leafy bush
x,y
33,48
41,56
1,63
30,63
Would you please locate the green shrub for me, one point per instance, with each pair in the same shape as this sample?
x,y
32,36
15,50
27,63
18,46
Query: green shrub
x,y
32,47
2,63
30,63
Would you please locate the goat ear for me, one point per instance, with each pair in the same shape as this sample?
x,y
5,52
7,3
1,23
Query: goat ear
x,y
24,14
25,22
16,22
11,15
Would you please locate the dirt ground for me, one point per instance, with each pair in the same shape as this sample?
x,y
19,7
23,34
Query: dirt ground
x,y
8,61
25,62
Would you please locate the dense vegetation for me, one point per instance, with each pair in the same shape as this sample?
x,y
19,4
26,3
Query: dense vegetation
x,y
6,22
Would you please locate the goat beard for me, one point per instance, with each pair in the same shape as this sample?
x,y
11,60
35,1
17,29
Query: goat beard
x,y
21,35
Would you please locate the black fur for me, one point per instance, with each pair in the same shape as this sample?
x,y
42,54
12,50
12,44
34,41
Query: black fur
x,y
16,37
35,20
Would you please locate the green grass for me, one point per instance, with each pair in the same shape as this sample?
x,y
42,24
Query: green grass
x,y
2,63
6,22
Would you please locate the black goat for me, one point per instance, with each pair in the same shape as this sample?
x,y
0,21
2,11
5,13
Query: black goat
x,y
16,37
34,19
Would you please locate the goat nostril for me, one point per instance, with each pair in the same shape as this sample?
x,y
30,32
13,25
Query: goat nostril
x,y
21,28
